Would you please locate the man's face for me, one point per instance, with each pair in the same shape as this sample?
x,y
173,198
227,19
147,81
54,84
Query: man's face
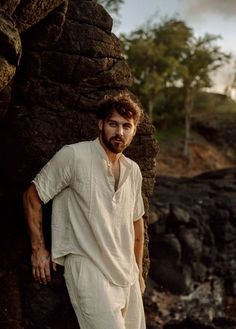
x,y
117,132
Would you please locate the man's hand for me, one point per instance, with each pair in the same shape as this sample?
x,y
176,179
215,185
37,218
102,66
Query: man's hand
x,y
41,266
40,259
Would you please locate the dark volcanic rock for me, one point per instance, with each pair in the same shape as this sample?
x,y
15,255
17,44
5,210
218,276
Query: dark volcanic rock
x,y
189,323
10,52
199,216
193,245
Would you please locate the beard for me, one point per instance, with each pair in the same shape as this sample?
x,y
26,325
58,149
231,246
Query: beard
x,y
115,144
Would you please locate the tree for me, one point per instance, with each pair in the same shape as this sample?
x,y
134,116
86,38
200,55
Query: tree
x,y
201,58
142,55
171,38
169,55
153,56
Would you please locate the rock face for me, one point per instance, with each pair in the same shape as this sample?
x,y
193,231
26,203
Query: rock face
x,y
69,60
193,237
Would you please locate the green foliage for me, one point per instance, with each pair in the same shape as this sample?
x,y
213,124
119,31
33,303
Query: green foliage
x,y
202,57
169,133
168,108
142,54
167,56
213,102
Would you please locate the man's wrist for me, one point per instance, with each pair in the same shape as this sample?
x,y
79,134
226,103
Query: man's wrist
x,y
38,247
141,271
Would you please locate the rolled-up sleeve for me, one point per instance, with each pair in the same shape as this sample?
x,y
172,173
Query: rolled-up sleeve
x,y
55,175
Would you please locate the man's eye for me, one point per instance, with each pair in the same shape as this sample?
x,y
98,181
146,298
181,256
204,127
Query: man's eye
x,y
112,124
127,127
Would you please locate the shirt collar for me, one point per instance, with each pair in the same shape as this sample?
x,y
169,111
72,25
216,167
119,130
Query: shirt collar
x,y
124,160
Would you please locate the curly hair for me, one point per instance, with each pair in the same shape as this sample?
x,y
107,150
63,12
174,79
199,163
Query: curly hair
x,y
126,106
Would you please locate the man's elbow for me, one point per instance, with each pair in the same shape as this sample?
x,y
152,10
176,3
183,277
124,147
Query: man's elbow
x,y
31,198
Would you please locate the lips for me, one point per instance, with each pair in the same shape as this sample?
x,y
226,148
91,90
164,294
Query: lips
x,y
117,139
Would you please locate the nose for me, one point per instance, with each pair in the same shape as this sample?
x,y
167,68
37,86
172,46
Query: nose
x,y
120,130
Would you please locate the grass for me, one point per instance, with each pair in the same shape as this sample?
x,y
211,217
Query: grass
x,y
170,132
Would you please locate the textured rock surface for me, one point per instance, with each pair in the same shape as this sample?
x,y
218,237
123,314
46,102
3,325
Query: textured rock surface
x,y
195,324
70,60
193,246
10,50
194,229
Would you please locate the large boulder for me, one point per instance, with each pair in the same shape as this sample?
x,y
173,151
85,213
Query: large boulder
x,y
70,61
193,228
193,247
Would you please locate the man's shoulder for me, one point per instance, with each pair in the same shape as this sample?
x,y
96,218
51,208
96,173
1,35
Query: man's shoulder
x,y
81,147
134,165
77,151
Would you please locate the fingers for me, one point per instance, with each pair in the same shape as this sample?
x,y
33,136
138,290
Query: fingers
x,y
54,266
41,270
42,275
46,275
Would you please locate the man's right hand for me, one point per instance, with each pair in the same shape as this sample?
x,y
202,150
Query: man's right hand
x,y
41,266
40,259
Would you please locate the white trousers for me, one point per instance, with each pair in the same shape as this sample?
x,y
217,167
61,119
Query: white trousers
x,y
99,304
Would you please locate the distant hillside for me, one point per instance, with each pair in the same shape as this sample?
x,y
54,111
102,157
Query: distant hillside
x,y
213,102
212,145
169,106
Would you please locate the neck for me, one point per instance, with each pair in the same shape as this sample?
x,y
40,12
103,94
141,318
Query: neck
x,y
113,157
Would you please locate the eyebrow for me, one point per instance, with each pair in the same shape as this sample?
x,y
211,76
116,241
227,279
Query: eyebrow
x,y
114,121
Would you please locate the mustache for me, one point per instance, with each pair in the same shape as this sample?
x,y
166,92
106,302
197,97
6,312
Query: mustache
x,y
118,138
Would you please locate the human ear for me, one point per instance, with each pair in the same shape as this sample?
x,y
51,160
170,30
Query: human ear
x,y
100,125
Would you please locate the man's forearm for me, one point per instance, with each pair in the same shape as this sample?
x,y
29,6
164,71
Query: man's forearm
x,y
139,242
40,258
138,250
33,216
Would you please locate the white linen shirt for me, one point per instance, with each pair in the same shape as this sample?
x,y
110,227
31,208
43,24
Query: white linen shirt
x,y
89,217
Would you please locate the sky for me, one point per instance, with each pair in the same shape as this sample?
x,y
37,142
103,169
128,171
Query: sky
x,y
216,17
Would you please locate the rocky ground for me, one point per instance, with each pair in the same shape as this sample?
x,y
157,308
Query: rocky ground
x,y
203,307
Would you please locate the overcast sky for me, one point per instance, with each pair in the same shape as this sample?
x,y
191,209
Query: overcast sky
x,y
216,17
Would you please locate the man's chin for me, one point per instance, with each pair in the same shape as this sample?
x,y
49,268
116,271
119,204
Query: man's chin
x,y
116,148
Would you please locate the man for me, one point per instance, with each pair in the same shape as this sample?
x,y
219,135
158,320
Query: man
x,y
97,226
